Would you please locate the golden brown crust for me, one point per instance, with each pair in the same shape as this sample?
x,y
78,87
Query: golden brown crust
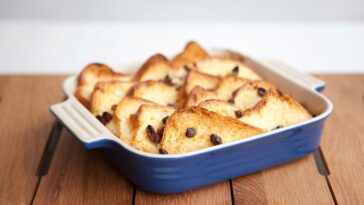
x,y
220,107
123,113
208,87
81,98
107,94
206,123
97,70
149,64
223,91
155,91
260,105
275,111
223,65
90,75
191,53
195,77
154,115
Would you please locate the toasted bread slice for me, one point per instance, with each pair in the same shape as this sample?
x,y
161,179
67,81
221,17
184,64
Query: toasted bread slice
x,y
121,120
221,107
158,67
228,85
90,76
205,123
107,94
195,78
223,91
198,95
148,115
251,93
222,66
191,53
156,91
275,111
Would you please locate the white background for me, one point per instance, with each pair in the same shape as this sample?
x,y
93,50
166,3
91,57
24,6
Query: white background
x,y
43,36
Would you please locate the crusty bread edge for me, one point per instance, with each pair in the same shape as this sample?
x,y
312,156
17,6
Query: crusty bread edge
x,y
212,115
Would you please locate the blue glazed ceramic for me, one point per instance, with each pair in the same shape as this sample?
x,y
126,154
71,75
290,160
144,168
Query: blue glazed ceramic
x,y
177,173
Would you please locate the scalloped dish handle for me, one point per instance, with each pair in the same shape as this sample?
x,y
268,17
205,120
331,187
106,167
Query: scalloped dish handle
x,y
80,121
300,77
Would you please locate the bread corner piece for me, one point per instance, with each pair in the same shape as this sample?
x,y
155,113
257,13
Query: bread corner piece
x,y
90,76
191,53
205,123
152,115
274,111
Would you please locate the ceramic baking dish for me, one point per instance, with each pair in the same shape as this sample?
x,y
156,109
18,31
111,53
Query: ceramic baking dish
x,y
182,172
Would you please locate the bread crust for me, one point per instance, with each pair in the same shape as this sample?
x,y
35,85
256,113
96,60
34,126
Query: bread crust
x,y
206,123
155,91
224,65
275,110
223,91
122,116
141,119
155,60
190,54
216,96
90,76
107,94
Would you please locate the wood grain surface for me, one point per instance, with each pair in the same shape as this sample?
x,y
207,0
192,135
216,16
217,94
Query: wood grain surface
x,y
80,176
214,194
343,141
25,123
298,182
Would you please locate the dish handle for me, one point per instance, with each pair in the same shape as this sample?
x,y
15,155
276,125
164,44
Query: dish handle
x,y
81,122
299,76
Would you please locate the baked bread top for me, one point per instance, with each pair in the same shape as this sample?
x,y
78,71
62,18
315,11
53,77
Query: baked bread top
x,y
191,53
194,101
222,66
91,75
148,127
124,110
275,111
209,129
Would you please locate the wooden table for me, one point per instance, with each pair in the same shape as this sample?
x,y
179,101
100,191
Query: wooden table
x,y
42,164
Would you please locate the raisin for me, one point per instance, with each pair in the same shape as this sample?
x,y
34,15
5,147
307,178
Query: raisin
x,y
232,101
162,151
113,108
107,117
168,80
164,120
101,119
190,132
152,134
261,92
279,127
236,70
216,140
238,113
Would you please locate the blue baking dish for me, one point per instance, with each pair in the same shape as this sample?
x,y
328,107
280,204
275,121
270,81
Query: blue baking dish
x,y
182,172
